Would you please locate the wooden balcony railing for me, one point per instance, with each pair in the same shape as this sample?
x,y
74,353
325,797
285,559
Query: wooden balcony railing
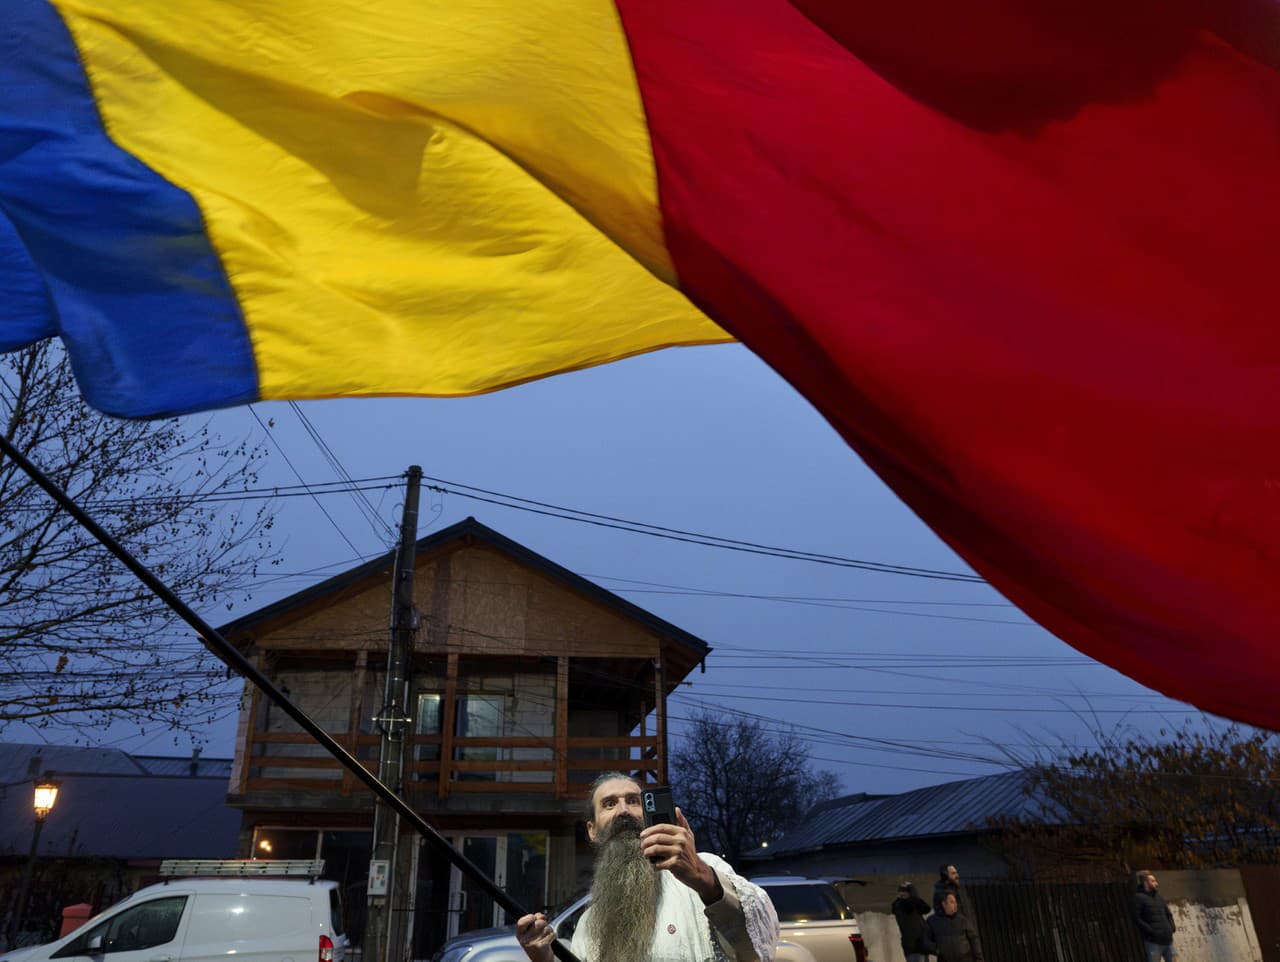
x,y
292,762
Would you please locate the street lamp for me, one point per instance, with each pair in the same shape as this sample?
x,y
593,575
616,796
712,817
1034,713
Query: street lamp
x,y
42,802
46,794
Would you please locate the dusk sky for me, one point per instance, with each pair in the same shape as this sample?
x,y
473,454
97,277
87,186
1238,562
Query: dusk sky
x,y
895,681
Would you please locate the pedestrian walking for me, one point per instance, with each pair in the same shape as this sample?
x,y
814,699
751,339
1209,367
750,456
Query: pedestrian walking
x,y
909,909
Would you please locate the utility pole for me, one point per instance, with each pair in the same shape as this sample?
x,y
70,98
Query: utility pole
x,y
382,932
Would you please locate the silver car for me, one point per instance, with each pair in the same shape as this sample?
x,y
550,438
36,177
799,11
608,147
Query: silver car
x,y
816,926
500,945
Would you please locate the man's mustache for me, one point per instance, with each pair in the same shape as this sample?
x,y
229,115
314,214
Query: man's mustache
x,y
623,824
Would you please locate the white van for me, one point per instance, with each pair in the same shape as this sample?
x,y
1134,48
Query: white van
x,y
203,919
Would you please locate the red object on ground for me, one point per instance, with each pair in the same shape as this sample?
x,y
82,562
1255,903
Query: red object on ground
x,y
74,916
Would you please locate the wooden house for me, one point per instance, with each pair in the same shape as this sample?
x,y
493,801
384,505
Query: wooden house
x,y
527,681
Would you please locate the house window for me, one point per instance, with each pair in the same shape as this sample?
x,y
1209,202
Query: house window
x,y
430,721
490,712
480,715
270,842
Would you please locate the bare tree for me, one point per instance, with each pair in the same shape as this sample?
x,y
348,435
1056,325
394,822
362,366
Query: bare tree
x,y
1189,797
82,642
740,784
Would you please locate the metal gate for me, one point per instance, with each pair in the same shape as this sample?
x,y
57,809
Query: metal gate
x,y
1262,889
1063,922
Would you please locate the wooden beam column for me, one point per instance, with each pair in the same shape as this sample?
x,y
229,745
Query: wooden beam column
x,y
562,726
246,728
660,723
353,719
448,724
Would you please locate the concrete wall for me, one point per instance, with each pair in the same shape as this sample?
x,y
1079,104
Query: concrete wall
x,y
870,902
1212,916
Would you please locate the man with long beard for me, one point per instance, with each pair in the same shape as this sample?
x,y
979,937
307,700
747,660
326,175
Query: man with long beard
x,y
654,897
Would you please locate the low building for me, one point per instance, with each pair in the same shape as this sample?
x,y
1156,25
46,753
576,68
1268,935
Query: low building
x,y
906,835
116,817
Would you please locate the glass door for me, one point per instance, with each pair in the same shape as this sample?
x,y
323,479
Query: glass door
x,y
433,901
472,908
525,878
517,863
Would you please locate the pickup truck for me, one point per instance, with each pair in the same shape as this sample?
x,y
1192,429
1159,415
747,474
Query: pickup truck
x,y
816,926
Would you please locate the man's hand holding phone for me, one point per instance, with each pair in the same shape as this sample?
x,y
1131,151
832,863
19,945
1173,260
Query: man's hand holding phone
x,y
671,846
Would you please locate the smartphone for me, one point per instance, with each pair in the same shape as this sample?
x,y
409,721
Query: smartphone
x,y
658,807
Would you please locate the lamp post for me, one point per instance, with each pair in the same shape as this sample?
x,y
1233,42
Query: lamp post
x,y
46,794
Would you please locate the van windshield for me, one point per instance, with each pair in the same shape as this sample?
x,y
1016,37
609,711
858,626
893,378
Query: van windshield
x,y
135,928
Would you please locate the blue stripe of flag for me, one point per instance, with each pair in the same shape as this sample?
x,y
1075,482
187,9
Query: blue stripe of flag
x,y
98,248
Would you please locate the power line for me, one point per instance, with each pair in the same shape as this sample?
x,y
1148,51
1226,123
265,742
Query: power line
x,y
830,658
689,537
846,740
885,744
363,504
858,742
717,593
851,660
311,572
1046,693
1009,763
865,705
336,527
304,490
840,607
353,486
847,604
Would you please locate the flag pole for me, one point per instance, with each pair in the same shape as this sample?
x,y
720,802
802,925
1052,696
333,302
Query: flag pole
x,y
230,656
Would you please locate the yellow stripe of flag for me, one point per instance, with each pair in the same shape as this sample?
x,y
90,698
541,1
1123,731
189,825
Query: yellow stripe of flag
x,y
432,193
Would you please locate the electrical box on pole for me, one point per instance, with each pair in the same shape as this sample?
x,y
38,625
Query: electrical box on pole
x,y
382,933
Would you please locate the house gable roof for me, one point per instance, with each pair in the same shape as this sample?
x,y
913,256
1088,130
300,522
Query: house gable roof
x,y
380,568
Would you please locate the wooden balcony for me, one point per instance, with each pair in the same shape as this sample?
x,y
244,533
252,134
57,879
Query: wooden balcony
x,y
438,765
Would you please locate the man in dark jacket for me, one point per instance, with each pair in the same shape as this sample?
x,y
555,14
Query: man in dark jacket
x,y
948,881
910,909
951,935
1154,919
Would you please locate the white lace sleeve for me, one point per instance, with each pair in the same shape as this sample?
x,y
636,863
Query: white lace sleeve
x,y
745,917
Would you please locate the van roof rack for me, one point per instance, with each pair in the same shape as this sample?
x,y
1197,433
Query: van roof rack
x,y
311,868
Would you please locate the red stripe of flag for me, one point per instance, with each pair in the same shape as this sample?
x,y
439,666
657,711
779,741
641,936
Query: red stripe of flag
x,y
1023,257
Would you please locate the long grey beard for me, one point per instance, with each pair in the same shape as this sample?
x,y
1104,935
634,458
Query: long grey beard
x,y
624,896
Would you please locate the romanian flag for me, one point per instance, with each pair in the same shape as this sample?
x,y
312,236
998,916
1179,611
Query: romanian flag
x,y
1021,253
